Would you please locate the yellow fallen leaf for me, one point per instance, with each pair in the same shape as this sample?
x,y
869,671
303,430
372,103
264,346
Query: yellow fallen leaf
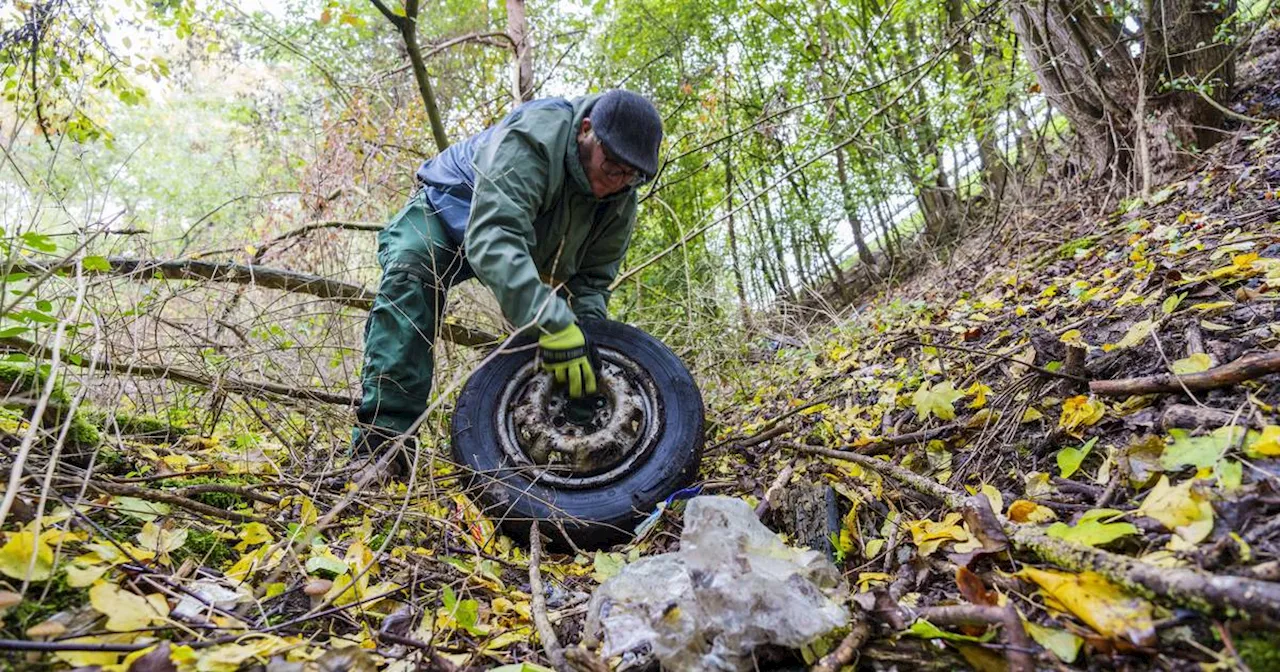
x,y
1193,364
26,558
80,576
1074,338
928,535
1180,508
993,497
252,534
936,400
1080,411
867,579
979,393
124,610
93,658
1031,415
1211,306
1105,607
1136,334
1026,511
160,540
1267,444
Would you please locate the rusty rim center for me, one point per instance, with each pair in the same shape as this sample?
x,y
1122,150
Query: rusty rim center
x,y
580,443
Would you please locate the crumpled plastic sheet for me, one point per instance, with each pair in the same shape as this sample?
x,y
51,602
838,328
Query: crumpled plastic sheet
x,y
732,587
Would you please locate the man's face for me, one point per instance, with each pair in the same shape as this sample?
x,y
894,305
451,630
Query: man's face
x,y
607,174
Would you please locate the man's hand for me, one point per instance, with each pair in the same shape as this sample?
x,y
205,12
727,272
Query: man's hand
x,y
566,356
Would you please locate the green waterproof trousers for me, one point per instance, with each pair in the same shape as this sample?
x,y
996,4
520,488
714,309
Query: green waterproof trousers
x,y
419,264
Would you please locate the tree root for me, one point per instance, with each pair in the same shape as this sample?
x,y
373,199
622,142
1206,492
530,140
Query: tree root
x,y
1251,366
843,654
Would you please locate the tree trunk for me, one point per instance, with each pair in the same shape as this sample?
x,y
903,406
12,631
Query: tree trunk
x,y
851,214
522,68
1084,59
994,172
733,240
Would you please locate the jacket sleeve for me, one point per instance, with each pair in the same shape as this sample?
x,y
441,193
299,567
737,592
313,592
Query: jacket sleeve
x,y
511,181
589,287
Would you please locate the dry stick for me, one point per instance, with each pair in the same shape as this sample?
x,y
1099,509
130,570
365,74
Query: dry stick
x,y
775,489
539,602
1250,366
165,497
1202,591
847,649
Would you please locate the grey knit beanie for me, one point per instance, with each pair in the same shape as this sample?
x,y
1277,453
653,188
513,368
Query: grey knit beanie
x,y
630,128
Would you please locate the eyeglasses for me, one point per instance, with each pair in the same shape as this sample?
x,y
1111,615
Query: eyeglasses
x,y
615,168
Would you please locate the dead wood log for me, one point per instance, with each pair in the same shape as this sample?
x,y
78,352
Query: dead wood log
x,y
264,277
1230,596
1251,366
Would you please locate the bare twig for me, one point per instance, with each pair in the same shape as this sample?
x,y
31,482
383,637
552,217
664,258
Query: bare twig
x,y
538,600
847,649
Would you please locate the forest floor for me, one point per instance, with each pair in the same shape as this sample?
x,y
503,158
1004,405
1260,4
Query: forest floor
x,y
999,433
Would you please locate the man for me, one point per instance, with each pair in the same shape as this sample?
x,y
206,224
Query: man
x,y
540,208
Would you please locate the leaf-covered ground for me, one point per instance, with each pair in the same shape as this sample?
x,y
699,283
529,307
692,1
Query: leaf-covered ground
x,y
974,379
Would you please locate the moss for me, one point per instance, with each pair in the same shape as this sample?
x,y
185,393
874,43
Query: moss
x,y
147,428
222,500
111,461
1068,249
207,548
1260,651
29,381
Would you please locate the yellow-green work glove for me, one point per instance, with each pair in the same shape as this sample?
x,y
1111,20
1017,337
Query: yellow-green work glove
x,y
566,356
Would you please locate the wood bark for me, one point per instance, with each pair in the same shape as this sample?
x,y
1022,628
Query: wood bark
x,y
522,65
1248,367
264,277
1112,81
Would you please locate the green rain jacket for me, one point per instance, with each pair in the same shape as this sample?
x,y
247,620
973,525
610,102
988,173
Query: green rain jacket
x,y
534,224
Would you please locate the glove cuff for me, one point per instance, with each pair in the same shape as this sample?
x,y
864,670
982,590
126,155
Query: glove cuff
x,y
561,356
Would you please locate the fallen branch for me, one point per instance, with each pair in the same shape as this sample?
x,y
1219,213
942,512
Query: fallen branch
x,y
1251,366
1180,586
538,602
775,490
265,277
847,649
223,383
165,497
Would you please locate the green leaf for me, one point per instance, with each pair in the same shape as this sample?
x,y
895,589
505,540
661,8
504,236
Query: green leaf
x,y
1091,530
1063,644
326,562
1230,474
1193,364
10,332
39,242
96,263
607,566
521,667
1198,451
1070,459
926,630
1171,303
140,508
